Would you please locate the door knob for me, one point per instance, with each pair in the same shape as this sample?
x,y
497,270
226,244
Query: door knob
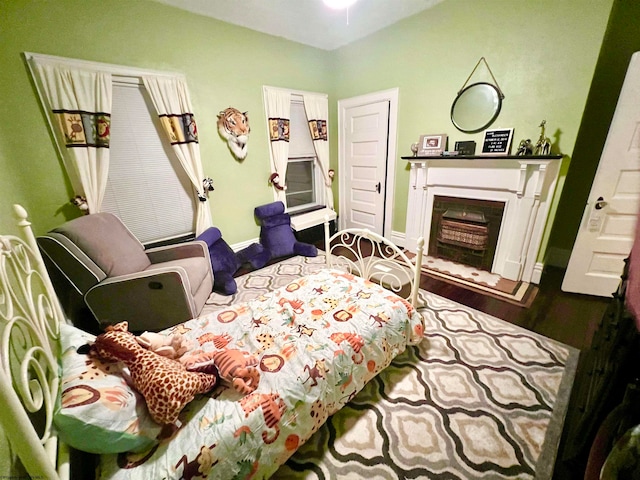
x,y
378,186
600,203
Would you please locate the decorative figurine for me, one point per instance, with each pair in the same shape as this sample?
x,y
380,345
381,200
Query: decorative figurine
x,y
414,149
525,147
543,146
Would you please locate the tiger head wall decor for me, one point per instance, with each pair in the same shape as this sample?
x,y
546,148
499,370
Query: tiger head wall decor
x,y
233,126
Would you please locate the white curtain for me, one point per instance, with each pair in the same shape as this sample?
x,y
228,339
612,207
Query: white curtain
x,y
80,101
171,99
317,110
278,108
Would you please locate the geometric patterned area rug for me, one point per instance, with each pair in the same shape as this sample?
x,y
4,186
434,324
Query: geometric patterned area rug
x,y
478,398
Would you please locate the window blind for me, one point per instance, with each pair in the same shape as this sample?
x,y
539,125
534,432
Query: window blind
x,y
147,187
302,177
300,143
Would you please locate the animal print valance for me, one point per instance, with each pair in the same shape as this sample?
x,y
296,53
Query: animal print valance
x,y
318,129
84,129
181,128
279,129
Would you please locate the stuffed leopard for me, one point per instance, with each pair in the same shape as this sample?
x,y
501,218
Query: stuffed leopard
x,y
234,367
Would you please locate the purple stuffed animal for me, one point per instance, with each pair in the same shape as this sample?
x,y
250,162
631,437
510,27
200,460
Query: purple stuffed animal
x,y
276,234
224,262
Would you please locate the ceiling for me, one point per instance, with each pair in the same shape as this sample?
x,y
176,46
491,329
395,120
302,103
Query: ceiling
x,y
308,21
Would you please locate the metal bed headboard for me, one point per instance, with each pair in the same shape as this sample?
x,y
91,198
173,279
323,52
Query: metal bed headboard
x,y
373,257
30,318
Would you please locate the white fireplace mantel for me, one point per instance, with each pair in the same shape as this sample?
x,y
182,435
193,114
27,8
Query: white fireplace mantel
x,y
525,184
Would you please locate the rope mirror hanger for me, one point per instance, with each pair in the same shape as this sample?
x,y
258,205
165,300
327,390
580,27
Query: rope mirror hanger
x,y
477,105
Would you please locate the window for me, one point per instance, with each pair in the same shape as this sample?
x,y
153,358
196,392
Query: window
x,y
147,188
304,180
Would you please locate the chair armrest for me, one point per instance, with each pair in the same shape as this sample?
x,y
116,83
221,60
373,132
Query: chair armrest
x,y
194,248
149,300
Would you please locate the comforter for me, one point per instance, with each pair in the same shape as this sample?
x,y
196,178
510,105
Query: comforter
x,y
317,342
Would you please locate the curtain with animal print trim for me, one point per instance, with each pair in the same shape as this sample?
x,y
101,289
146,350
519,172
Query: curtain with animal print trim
x,y
79,102
172,102
278,107
317,110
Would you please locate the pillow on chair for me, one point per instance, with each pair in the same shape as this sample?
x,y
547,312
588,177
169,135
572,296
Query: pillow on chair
x,y
276,234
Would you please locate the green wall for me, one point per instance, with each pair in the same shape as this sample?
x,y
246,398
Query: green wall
x,y
225,66
541,53
543,58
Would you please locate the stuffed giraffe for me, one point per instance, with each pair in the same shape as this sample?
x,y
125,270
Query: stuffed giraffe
x,y
165,384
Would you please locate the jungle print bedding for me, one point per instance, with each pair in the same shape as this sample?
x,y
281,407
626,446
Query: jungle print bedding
x,y
318,341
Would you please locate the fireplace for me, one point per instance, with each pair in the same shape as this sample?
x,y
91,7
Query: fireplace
x,y
457,203
465,230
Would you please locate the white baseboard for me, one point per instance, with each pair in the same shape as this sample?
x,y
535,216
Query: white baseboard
x,y
536,275
239,246
398,238
556,257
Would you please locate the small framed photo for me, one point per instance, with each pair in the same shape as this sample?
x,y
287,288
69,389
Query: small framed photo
x,y
432,145
497,141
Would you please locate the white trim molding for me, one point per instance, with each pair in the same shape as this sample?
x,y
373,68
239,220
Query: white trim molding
x,y
311,219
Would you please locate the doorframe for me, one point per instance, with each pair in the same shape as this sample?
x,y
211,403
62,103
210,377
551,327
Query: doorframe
x,y
391,96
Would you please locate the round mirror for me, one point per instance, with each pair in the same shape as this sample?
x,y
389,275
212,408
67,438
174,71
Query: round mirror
x,y
476,107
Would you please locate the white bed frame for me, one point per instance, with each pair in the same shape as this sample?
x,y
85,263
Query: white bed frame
x,y
371,256
30,318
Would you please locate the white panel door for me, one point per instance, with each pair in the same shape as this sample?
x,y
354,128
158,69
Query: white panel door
x,y
366,130
607,229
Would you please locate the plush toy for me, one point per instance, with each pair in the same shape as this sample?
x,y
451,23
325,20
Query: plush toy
x,y
81,202
207,186
165,384
170,346
274,180
224,262
276,234
233,126
234,367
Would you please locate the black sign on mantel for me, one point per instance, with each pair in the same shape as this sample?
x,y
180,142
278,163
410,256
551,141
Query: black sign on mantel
x,y
497,142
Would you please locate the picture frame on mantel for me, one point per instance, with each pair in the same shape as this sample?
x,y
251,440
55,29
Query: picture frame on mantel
x,y
497,142
432,145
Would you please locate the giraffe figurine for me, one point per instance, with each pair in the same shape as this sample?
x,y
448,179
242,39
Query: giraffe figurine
x,y
543,145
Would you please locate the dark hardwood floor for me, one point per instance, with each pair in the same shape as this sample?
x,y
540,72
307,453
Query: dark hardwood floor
x,y
566,317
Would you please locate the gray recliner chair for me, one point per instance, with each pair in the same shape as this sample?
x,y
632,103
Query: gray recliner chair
x,y
104,263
